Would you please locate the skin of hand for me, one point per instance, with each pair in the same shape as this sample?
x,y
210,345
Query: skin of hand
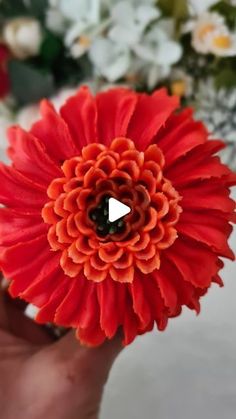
x,y
44,379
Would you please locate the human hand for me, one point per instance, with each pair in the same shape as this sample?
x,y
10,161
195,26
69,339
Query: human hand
x,y
44,379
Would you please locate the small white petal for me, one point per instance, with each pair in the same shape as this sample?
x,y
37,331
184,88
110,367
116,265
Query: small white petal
x,y
146,14
123,13
126,36
169,53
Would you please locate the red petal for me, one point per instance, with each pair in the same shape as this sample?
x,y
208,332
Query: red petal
x,y
54,133
92,336
165,283
17,191
180,135
209,194
197,165
130,325
151,113
16,227
23,262
30,158
42,287
195,262
156,303
47,312
107,293
72,304
80,114
140,305
207,228
115,109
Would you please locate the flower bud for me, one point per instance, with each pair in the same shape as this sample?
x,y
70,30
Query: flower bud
x,y
23,36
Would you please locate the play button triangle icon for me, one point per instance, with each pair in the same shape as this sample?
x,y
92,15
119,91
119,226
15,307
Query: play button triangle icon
x,y
117,210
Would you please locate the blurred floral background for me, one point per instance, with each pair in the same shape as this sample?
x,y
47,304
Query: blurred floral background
x,y
49,47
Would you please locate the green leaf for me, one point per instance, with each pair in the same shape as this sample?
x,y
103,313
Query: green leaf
x,y
50,49
29,84
227,10
37,8
175,8
12,8
15,8
225,78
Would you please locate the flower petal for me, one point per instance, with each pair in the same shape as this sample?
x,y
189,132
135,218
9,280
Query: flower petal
x,y
18,191
54,133
115,109
207,228
30,158
151,113
80,114
16,227
185,254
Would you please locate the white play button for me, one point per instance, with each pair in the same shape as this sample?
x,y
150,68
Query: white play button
x,y
117,210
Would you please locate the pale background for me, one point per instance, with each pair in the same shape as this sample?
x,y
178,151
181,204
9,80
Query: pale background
x,y
187,372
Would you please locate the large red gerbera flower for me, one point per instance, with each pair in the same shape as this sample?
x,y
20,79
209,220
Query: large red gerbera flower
x,y
4,78
57,244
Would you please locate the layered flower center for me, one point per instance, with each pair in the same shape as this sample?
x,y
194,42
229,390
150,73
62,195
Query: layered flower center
x,y
77,211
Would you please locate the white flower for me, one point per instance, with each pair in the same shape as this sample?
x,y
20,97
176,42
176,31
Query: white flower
x,y
159,52
197,7
205,25
210,35
80,21
23,36
111,60
130,19
80,10
55,21
222,43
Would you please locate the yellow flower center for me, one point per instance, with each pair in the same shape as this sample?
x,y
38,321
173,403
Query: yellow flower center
x,y
222,41
84,41
178,88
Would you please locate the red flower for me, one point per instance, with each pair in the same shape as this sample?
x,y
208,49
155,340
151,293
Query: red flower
x,y
4,79
57,245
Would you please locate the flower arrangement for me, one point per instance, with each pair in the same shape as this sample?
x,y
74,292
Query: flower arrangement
x,y
123,136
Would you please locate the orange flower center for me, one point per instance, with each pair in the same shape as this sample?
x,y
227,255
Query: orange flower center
x,y
77,211
205,30
222,41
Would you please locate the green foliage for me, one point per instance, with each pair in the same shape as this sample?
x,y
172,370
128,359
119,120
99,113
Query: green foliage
x,y
225,78
29,84
51,48
16,8
228,11
175,8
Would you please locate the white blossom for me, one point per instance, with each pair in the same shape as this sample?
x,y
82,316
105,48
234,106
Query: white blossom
x,y
23,36
111,60
79,20
158,52
210,35
130,19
